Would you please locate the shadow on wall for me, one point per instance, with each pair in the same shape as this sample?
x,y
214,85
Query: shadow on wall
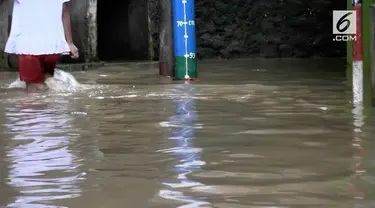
x,y
113,30
122,30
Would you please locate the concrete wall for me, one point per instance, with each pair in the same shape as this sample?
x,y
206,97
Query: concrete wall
x,y
263,28
113,44
138,30
122,30
154,17
5,11
266,28
78,15
126,33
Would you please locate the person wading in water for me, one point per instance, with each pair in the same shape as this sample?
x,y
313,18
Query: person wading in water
x,y
40,34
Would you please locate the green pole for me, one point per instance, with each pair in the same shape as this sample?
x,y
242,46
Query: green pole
x,y
372,50
367,57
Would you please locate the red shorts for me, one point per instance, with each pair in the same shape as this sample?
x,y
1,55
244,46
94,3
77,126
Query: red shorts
x,y
33,67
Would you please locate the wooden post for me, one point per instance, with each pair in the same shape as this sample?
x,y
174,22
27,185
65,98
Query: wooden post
x,y
166,60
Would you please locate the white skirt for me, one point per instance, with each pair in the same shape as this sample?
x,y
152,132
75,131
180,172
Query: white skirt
x,y
25,46
35,31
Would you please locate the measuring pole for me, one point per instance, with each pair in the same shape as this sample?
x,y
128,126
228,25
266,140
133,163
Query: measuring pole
x,y
184,40
357,59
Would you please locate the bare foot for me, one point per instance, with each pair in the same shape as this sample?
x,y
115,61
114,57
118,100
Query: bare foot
x,y
34,87
51,83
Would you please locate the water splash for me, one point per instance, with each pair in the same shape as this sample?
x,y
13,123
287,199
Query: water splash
x,y
65,81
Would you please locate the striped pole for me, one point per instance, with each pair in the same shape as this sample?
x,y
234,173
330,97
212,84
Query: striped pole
x,y
358,56
184,40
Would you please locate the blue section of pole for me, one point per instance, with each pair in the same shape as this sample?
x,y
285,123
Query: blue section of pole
x,y
184,27
184,39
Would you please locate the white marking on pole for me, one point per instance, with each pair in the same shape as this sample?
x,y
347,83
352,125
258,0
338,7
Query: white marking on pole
x,y
186,41
357,81
358,123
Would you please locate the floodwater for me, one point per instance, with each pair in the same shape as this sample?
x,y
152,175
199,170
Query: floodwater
x,y
249,133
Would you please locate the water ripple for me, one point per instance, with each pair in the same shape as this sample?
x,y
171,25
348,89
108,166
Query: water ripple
x,y
41,165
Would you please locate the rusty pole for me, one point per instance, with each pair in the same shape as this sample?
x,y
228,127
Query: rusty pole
x,y
166,60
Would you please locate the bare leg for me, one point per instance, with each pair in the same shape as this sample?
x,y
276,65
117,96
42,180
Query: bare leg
x,y
31,72
47,75
49,70
31,87
50,82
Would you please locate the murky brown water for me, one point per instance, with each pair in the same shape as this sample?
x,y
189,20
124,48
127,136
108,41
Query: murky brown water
x,y
257,134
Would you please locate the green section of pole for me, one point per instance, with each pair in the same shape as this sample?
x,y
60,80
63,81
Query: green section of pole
x,y
349,53
184,39
182,64
367,58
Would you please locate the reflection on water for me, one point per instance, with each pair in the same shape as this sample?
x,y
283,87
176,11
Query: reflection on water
x,y
183,126
249,133
42,168
358,123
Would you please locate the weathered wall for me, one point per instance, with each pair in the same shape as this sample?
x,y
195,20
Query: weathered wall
x,y
264,28
122,30
113,29
4,20
138,27
78,13
154,19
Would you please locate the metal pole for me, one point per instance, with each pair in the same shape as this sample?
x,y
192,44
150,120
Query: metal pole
x,y
358,56
372,52
184,40
166,39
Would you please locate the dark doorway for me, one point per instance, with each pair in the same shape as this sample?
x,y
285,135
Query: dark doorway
x,y
122,30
